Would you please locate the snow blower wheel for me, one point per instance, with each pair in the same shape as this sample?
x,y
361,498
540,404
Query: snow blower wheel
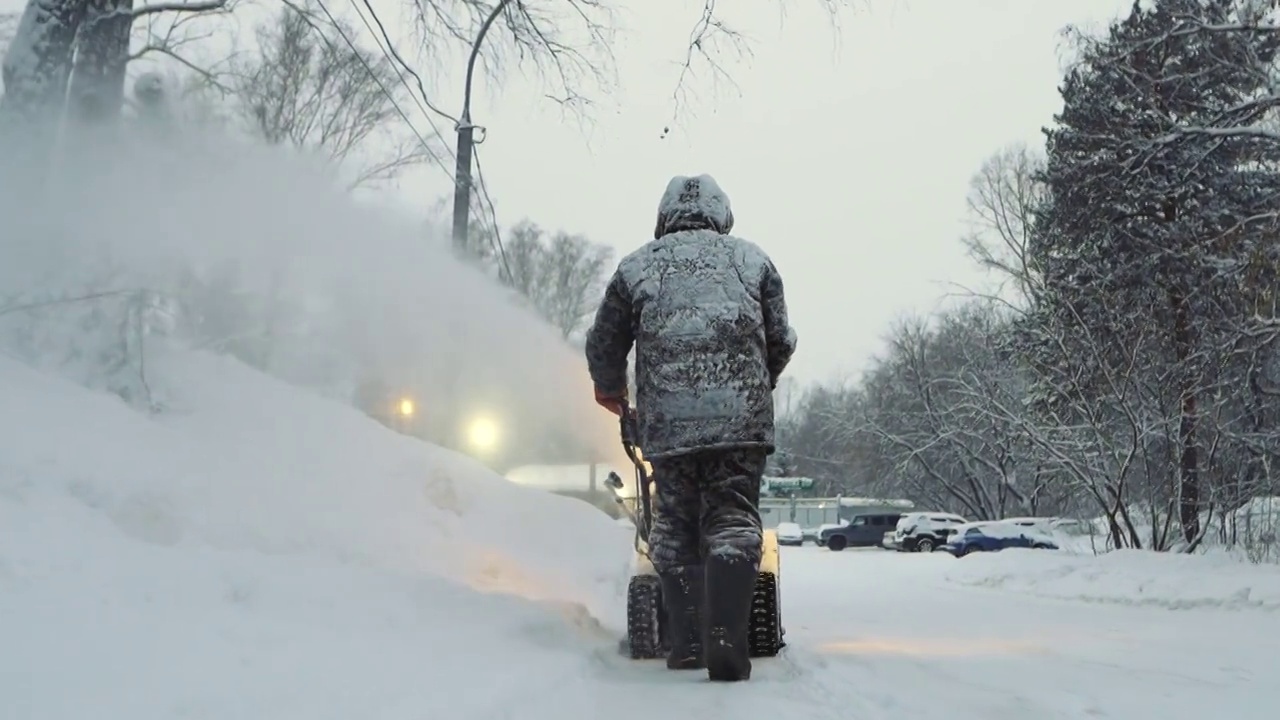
x,y
645,626
765,628
646,622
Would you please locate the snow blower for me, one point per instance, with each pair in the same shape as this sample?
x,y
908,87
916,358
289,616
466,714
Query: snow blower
x,y
646,621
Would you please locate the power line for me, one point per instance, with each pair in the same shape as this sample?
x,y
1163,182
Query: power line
x,y
394,57
421,88
497,236
389,52
381,86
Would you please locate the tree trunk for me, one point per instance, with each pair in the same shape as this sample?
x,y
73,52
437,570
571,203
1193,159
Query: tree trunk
x,y
35,71
102,57
1189,463
38,62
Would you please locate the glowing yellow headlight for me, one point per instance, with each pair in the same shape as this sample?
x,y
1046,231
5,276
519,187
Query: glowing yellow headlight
x,y
482,434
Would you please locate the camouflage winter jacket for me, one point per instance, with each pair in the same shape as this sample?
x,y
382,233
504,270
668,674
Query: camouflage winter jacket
x,y
706,313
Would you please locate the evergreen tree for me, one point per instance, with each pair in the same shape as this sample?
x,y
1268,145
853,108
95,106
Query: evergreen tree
x,y
1145,216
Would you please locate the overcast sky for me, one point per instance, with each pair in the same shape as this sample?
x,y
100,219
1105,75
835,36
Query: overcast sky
x,y
847,159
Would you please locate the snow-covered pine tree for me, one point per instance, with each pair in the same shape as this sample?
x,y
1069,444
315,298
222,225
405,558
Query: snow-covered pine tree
x,y
1146,224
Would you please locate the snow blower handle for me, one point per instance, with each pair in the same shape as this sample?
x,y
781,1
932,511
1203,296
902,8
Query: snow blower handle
x,y
629,423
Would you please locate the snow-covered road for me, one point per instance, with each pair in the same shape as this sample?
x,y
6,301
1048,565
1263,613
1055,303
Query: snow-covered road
x,y
890,635
884,635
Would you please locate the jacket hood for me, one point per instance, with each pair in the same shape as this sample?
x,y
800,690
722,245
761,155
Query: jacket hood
x,y
693,203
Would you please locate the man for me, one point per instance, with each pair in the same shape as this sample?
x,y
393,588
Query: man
x,y
706,314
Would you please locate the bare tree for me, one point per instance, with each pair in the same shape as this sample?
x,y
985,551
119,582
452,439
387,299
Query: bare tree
x,y
308,88
930,404
1003,198
176,36
568,43
104,42
713,38
562,275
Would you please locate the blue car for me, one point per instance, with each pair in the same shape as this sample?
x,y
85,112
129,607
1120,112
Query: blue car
x,y
993,536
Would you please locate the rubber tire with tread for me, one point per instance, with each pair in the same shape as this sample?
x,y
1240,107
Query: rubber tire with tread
x,y
645,626
925,545
765,629
836,543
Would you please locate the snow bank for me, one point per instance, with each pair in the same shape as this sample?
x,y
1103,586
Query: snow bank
x,y
233,554
1127,577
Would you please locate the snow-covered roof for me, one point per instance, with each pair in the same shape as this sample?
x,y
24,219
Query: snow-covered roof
x,y
999,529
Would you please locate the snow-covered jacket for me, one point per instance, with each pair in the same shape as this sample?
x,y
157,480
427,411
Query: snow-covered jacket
x,y
706,313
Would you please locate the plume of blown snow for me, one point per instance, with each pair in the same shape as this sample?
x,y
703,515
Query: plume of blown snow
x,y
256,252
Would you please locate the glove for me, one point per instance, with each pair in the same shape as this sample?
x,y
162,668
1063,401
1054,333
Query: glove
x,y
612,403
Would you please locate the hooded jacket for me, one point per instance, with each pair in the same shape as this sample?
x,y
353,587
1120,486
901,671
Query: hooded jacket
x,y
706,313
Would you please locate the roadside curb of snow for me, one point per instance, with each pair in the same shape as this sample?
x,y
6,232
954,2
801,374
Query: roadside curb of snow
x,y
1127,577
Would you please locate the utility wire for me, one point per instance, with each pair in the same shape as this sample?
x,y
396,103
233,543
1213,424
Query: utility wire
x,y
387,93
497,235
485,200
389,52
392,56
418,79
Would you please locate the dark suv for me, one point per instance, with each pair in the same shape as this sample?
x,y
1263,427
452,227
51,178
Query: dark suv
x,y
861,531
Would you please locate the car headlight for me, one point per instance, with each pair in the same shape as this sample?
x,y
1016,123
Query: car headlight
x,y
483,434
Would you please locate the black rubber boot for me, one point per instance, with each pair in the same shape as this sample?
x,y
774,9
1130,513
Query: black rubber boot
x,y
731,583
683,592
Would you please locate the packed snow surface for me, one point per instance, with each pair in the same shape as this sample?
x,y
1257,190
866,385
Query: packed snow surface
x,y
252,552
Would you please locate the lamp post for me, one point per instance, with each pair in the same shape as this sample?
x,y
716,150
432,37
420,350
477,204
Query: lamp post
x,y
466,138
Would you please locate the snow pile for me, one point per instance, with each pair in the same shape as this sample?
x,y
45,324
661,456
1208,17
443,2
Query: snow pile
x,y
1126,577
236,553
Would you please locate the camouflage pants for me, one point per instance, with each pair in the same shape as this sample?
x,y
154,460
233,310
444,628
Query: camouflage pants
x,y
706,503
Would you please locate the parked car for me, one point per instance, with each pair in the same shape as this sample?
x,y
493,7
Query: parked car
x,y
1044,525
1071,526
789,533
821,538
925,531
996,535
860,531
